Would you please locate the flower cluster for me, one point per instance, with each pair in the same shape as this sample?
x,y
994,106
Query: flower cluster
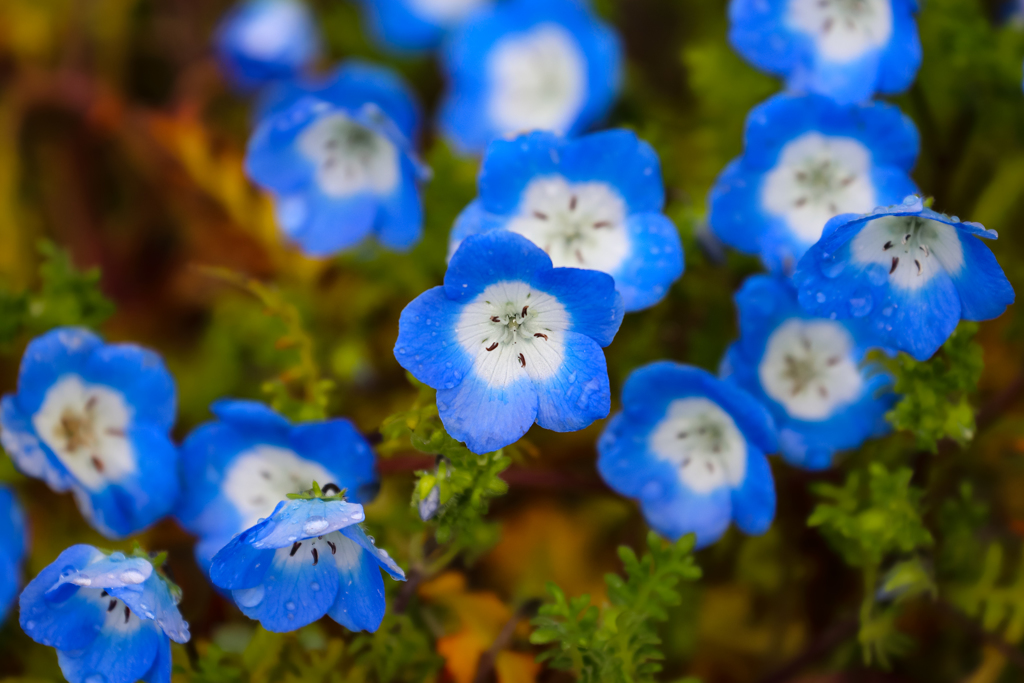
x,y
263,41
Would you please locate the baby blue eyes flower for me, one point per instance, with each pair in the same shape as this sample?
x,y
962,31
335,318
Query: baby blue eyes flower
x,y
236,469
95,419
510,340
692,449
338,174
807,159
308,559
414,25
528,65
261,41
844,49
111,618
12,549
808,372
910,272
594,202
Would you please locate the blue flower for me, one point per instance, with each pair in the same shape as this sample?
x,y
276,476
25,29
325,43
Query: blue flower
x,y
528,65
807,159
415,25
236,469
261,41
509,341
845,50
308,559
111,618
338,174
912,273
12,549
95,419
691,448
594,202
353,84
808,372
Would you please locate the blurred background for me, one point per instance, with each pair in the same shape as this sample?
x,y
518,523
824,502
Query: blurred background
x,y
121,147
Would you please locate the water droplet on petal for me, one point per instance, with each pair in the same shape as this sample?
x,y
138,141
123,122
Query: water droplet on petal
x,y
861,304
96,678
820,297
249,597
132,576
82,581
290,606
314,525
314,586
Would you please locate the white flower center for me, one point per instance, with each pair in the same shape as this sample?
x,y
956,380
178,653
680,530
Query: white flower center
x,y
264,475
350,158
579,225
269,31
84,425
816,178
703,441
911,248
538,80
808,368
118,617
445,12
513,331
843,30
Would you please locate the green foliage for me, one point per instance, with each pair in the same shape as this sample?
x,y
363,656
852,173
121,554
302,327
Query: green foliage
x,y
618,642
960,519
405,654
65,296
999,607
935,393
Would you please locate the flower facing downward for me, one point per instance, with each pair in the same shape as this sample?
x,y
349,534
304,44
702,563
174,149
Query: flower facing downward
x,y
910,272
807,159
307,559
95,419
110,617
691,448
844,49
528,65
338,174
266,40
594,202
808,372
509,341
236,469
417,24
12,549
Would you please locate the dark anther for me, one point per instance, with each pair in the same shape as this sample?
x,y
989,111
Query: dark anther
x,y
579,256
258,502
710,466
97,463
91,403
127,613
265,475
806,343
524,310
334,548
319,538
832,208
823,392
328,488
682,435
113,431
800,175
112,605
918,264
888,246
295,548
717,448
925,249
104,594
542,336
495,319
906,237
522,360
827,25
686,462
542,216
800,202
603,224
834,360
846,181
572,203
492,346
316,557
895,262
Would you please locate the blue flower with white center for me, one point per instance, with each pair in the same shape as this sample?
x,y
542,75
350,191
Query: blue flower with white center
x,y
307,559
528,65
509,340
12,549
912,273
807,159
845,49
594,202
95,419
808,372
111,618
691,449
338,175
415,25
353,84
262,41
236,469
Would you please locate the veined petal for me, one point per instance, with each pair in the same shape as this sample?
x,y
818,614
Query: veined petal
x,y
487,418
359,605
355,533
118,655
427,345
297,520
579,393
66,619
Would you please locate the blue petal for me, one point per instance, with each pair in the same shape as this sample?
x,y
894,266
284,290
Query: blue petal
x,y
338,446
381,556
112,571
624,461
473,220
673,510
845,82
595,308
238,565
510,165
399,223
295,591
655,261
115,656
497,256
297,520
160,672
487,418
249,68
578,394
359,605
753,501
251,416
983,288
735,214
140,375
902,57
29,454
61,351
396,25
758,31
205,454
10,583
153,600
321,225
66,620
